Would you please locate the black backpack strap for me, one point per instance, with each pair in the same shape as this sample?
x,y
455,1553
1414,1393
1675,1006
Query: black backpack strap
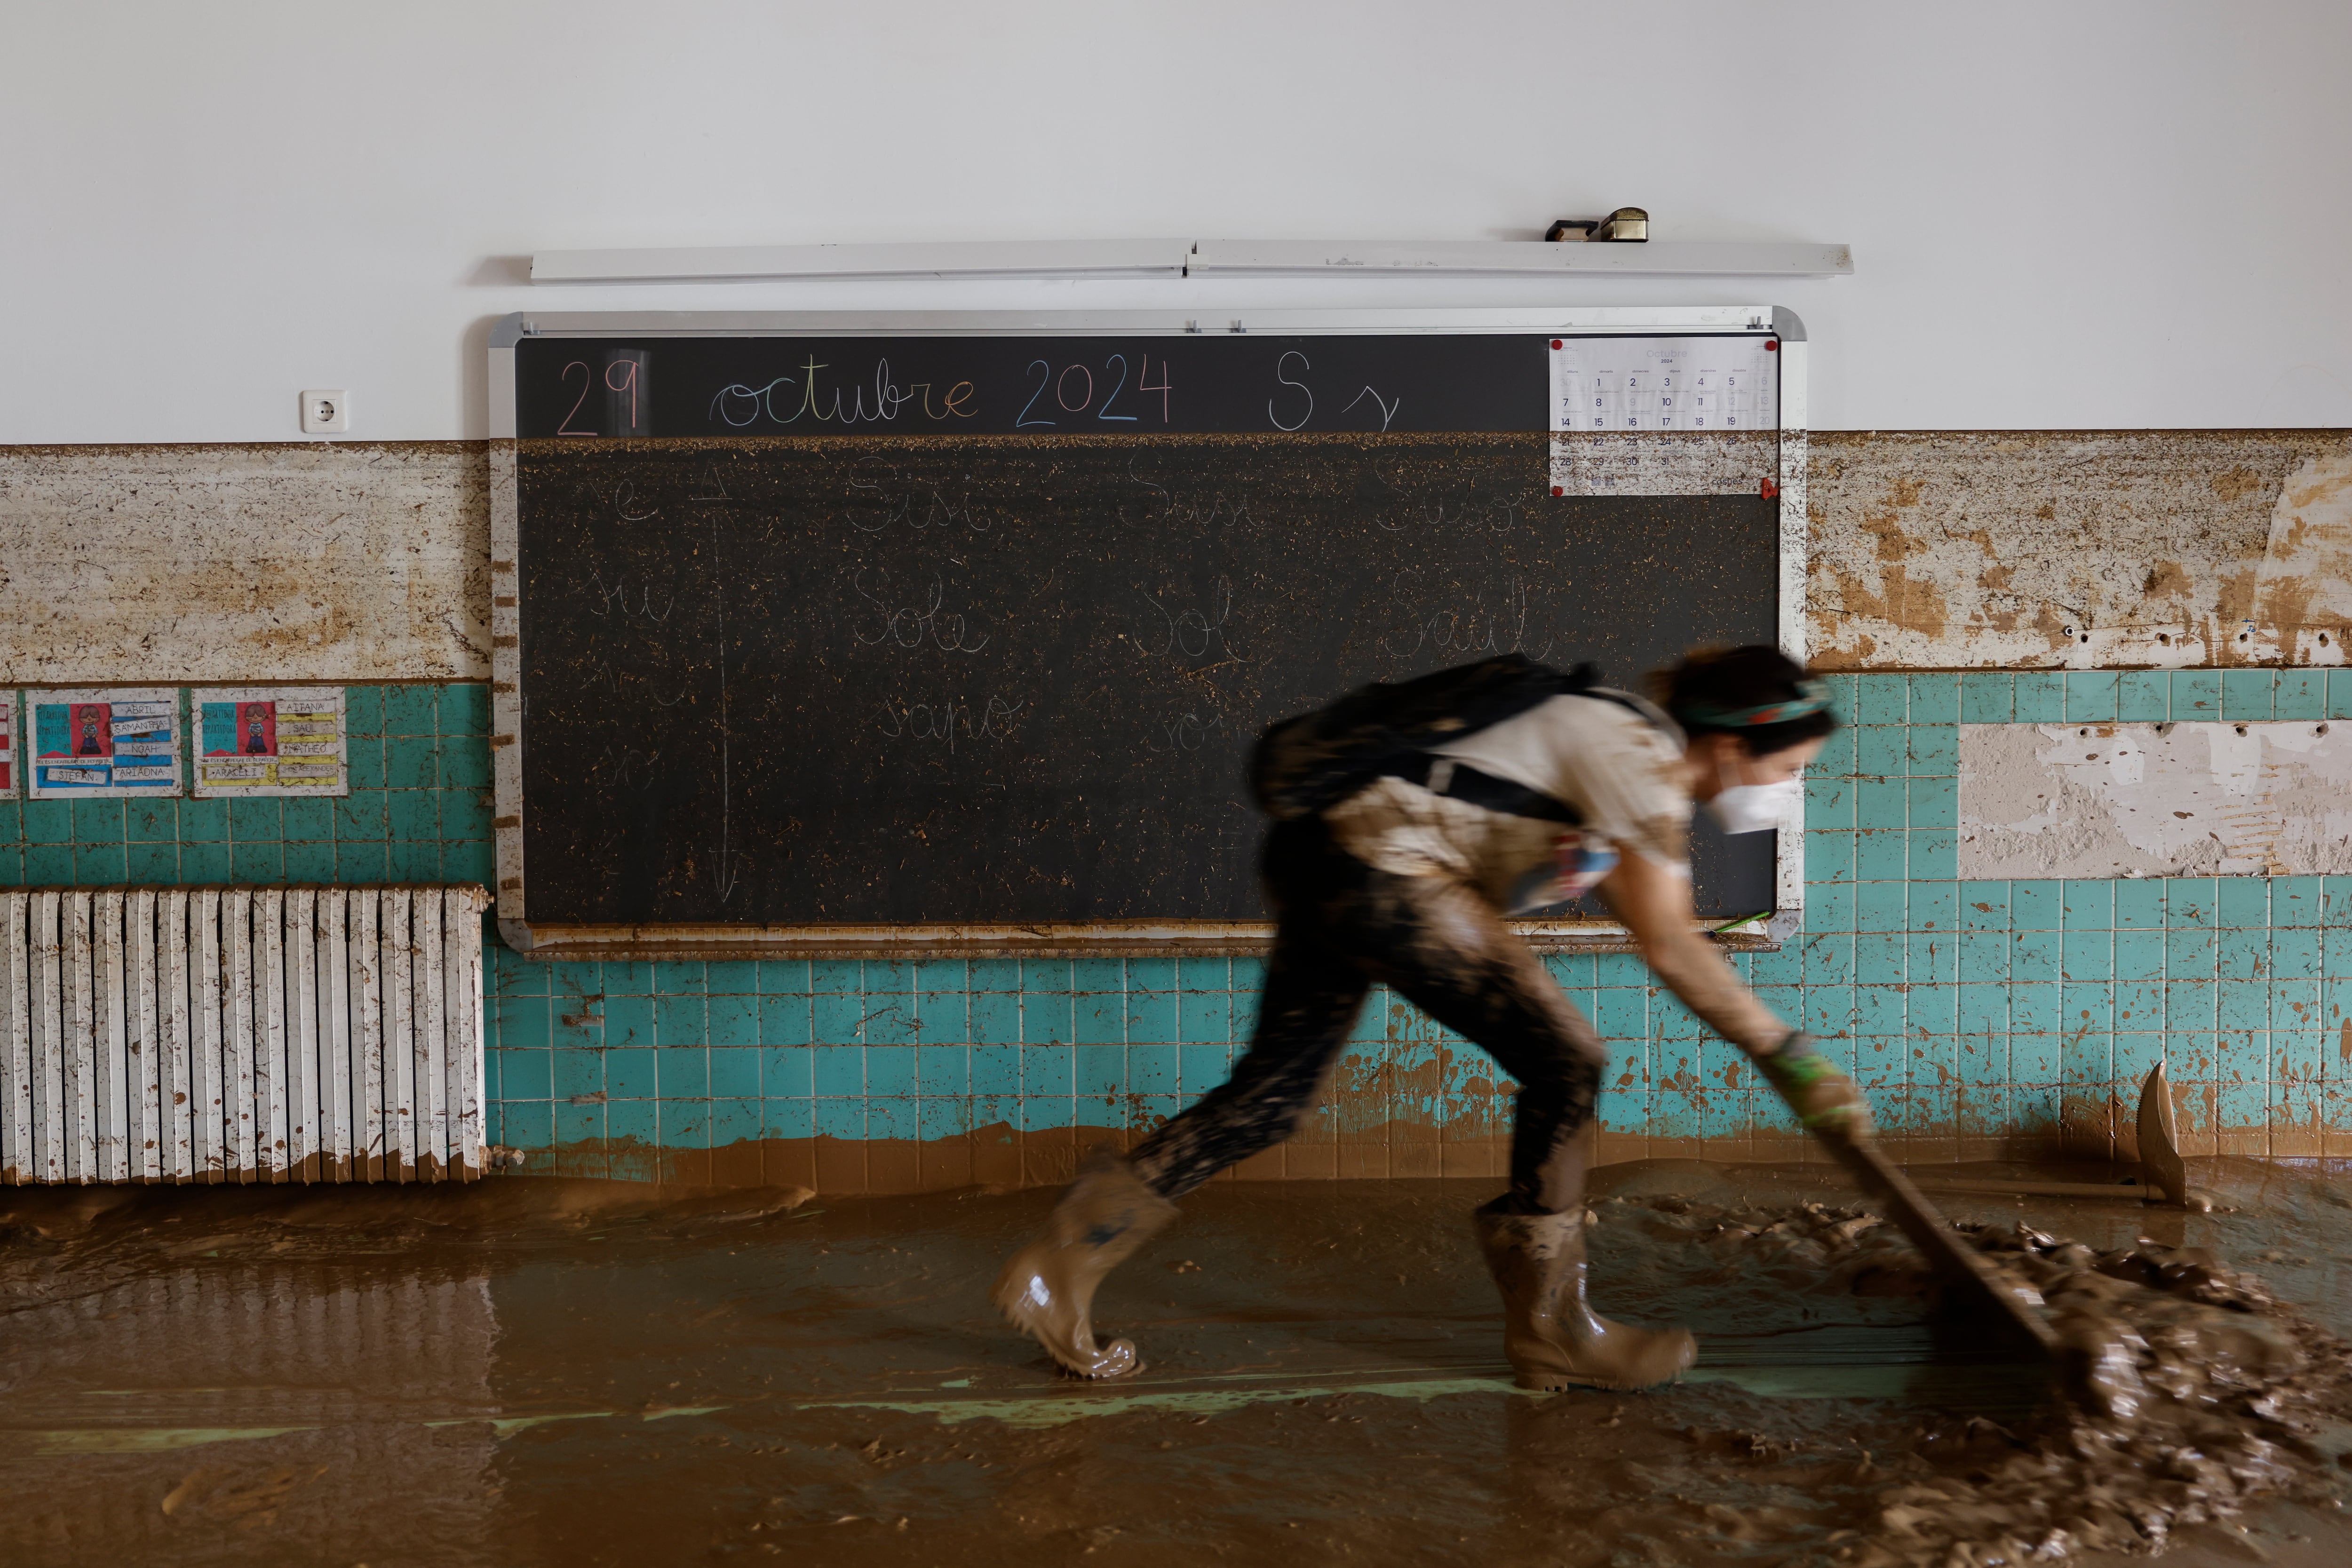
x,y
1483,790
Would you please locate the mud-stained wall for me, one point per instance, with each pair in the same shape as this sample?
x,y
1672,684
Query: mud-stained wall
x,y
2082,551
2002,1013
1985,550
2156,800
248,562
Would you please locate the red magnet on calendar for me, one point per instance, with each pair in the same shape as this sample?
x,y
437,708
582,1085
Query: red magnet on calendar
x,y
1771,345
1556,343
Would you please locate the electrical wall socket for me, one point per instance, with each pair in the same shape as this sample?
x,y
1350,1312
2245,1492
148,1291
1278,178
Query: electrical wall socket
x,y
326,412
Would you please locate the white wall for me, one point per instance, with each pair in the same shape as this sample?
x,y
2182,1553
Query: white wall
x,y
2086,215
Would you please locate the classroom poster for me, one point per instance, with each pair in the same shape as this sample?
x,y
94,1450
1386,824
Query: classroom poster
x,y
270,740
107,743
7,743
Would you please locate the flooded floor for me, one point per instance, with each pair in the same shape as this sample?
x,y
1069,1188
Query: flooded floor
x,y
540,1372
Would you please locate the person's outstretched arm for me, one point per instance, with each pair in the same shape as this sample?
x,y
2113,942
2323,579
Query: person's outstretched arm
x,y
1655,904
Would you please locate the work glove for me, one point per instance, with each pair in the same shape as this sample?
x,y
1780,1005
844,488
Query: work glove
x,y
1827,1102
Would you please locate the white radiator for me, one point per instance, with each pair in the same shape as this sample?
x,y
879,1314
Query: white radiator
x,y
241,1034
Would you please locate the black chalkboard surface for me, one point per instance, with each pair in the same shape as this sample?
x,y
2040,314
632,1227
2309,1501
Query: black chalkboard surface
x,y
843,632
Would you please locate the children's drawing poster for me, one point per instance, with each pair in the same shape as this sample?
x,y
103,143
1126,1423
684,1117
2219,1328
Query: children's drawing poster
x,y
270,740
103,742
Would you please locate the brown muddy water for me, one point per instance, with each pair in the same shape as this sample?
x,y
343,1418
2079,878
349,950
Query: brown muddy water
x,y
541,1371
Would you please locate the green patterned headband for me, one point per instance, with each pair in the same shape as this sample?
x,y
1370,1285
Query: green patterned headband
x,y
1812,697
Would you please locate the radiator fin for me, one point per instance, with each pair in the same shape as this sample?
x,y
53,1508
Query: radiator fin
x,y
241,1034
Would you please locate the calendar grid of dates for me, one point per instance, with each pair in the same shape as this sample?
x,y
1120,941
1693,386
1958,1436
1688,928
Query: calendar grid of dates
x,y
1607,386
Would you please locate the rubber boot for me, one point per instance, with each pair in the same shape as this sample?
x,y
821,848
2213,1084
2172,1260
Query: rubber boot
x,y
1552,1339
1048,1289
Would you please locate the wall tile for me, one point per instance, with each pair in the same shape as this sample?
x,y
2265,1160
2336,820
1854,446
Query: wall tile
x,y
1829,804
1883,803
1881,906
2245,901
2139,1005
1935,700
2035,905
2299,694
2089,906
1880,700
2092,696
2089,955
1988,697
1935,802
2196,694
2247,693
1935,752
2034,956
2139,905
1883,749
1984,906
1829,857
1837,755
2040,697
2143,696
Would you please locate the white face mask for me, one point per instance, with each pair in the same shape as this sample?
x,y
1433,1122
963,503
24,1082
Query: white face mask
x,y
1752,808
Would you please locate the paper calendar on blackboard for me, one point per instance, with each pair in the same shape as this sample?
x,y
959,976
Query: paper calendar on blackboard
x,y
1664,383
1667,416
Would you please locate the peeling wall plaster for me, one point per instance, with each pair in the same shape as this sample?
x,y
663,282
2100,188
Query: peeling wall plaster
x,y
327,562
2156,800
2083,551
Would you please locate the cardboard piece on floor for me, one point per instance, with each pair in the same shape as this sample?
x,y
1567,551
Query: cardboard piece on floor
x,y
2163,1178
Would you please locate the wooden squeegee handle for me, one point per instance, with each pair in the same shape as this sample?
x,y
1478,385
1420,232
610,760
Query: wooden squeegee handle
x,y
1962,1266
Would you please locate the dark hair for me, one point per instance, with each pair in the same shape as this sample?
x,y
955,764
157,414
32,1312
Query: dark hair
x,y
1730,691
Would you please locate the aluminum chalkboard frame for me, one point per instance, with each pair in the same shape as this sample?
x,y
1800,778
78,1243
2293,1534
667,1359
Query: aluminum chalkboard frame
x,y
553,941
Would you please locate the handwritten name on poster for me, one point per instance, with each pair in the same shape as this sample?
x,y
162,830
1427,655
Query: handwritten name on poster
x,y
104,742
270,741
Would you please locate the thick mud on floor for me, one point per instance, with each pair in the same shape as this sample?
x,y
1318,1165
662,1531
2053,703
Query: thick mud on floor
x,y
536,1372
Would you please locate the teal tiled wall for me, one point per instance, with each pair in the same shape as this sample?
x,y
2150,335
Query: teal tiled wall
x,y
2029,1008
419,811
1972,1011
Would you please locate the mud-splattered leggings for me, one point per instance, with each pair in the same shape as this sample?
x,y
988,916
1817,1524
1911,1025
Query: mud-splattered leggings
x,y
1343,925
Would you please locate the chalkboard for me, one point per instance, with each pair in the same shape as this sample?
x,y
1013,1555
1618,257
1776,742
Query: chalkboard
x,y
975,633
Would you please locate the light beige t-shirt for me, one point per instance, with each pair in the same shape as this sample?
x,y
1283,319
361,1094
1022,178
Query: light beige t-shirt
x,y
1614,765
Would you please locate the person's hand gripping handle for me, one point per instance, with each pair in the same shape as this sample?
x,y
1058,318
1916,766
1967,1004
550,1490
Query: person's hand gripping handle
x,y
1831,1108
1827,1102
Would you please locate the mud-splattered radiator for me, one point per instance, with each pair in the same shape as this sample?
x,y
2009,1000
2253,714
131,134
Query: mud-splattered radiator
x,y
241,1034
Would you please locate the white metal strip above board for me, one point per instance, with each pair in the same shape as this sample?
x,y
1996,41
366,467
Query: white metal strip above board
x,y
1518,259
1024,258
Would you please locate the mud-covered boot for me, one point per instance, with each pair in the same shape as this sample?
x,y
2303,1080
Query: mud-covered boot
x,y
1048,1289
1553,1339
